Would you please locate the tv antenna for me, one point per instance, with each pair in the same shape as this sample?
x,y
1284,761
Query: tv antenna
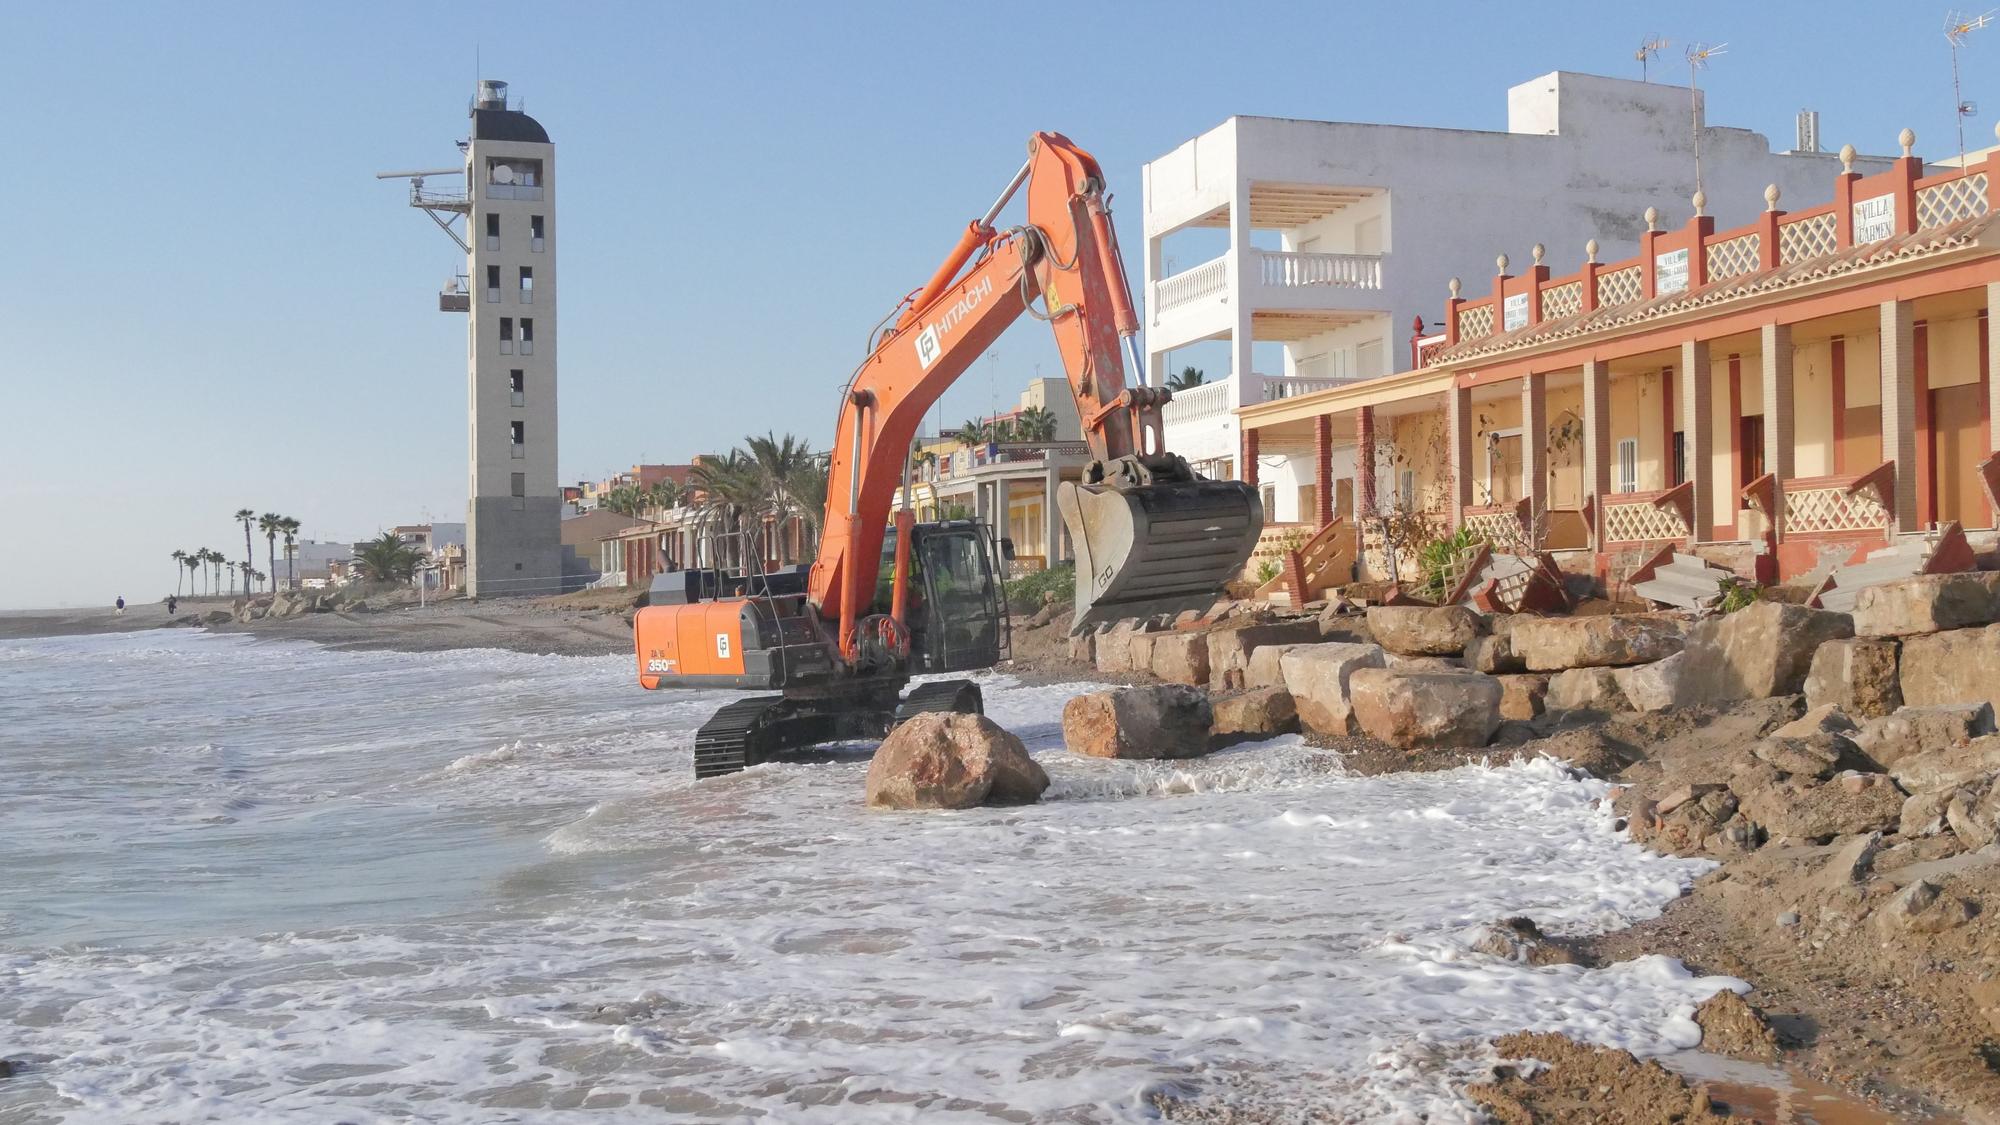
x,y
1698,55
1958,27
1653,45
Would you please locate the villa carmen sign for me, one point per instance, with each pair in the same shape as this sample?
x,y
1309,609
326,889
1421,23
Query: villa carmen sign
x,y
1874,219
1514,312
1670,272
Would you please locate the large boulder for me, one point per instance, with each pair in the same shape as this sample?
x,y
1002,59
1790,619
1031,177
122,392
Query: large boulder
x,y
1757,652
1587,689
1523,695
1180,658
1652,687
1265,668
1421,709
1910,731
1960,666
1973,761
1157,721
944,760
1926,603
1083,647
1257,713
1114,647
1319,678
1494,653
1857,674
1551,644
1139,652
1423,630
1844,806
1231,647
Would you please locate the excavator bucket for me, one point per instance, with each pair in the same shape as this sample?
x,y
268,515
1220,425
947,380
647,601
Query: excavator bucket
x,y
1145,550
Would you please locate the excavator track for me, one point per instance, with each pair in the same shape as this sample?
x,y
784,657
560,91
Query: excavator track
x,y
961,696
736,737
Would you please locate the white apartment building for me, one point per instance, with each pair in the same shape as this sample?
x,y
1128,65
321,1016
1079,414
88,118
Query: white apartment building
x,y
1336,236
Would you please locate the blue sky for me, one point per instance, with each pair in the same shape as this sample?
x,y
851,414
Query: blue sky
x,y
211,303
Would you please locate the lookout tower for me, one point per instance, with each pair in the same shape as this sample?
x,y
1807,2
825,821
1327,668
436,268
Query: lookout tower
x,y
508,290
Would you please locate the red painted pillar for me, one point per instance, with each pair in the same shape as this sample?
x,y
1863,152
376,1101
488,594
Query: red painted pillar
x,y
1364,461
1247,471
1668,424
1926,443
1838,364
1322,470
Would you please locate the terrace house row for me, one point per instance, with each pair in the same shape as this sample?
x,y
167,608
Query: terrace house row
x,y
1805,396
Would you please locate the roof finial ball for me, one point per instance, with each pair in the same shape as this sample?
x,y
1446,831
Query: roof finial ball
x,y
1996,130
1501,262
1590,251
1652,218
1700,201
1908,139
1538,251
1847,159
1456,285
1771,197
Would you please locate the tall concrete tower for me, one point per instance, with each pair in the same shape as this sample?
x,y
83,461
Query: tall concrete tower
x,y
514,519
514,525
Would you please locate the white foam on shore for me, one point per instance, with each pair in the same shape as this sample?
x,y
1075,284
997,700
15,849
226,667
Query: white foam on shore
x,y
1255,927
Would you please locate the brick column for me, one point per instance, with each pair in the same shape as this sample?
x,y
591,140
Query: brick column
x,y
1458,430
1534,442
1899,408
1246,470
1596,442
1323,470
1364,462
1775,342
1992,349
1697,406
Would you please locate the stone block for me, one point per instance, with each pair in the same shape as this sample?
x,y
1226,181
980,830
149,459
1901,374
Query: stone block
x,y
1552,644
1927,603
1760,651
1319,678
1423,709
1856,674
1423,630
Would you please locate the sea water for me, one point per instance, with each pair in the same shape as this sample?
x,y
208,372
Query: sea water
x,y
257,881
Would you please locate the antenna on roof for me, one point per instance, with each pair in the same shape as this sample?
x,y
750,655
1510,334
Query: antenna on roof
x,y
1698,55
1653,45
1958,27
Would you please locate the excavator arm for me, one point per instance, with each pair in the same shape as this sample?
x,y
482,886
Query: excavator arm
x,y
1150,536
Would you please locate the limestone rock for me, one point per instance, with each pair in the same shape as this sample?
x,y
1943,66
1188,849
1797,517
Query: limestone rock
x,y
1924,908
1551,644
1083,648
1114,648
1952,667
1319,680
1652,687
1180,658
1757,652
1796,807
1730,1026
1265,669
1424,663
1521,941
1927,603
1494,654
1139,652
1816,756
1257,713
1857,674
1586,689
1853,863
1923,813
1160,721
1588,749
1230,647
1423,630
1421,709
1913,730
1950,766
1971,814
942,760
1522,695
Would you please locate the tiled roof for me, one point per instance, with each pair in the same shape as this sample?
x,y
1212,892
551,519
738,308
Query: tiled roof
x,y
1950,236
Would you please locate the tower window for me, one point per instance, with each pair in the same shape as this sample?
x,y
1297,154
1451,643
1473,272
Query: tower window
x,y
527,285
506,335
527,336
517,385
535,233
492,231
519,432
520,484
492,285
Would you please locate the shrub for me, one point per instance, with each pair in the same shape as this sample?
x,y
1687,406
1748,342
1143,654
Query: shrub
x,y
1738,594
1027,593
1267,570
1436,559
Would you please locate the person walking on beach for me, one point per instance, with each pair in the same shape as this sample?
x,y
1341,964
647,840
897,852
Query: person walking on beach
x,y
121,604
171,603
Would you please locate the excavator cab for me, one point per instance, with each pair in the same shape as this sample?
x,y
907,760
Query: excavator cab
x,y
958,614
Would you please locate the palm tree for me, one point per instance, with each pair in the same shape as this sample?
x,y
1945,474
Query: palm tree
x,y
180,560
271,523
386,558
291,530
213,559
246,517
972,433
1187,378
1035,424
192,560
663,495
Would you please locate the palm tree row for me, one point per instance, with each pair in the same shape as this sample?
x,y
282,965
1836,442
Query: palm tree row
x,y
273,526
208,566
1031,425
632,500
760,502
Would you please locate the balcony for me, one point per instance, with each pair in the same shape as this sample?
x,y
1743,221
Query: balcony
x,y
1291,295
1211,400
1287,269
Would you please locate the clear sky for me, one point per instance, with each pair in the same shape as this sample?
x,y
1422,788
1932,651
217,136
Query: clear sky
x,y
209,301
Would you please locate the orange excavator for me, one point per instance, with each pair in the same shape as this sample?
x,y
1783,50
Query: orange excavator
x,y
835,643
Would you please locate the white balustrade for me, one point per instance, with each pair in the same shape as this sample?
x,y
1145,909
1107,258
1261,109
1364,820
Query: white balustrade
x,y
1293,270
1199,283
1209,400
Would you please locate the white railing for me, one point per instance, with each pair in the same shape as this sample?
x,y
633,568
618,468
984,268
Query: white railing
x,y
1293,270
1203,281
1288,386
1208,400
